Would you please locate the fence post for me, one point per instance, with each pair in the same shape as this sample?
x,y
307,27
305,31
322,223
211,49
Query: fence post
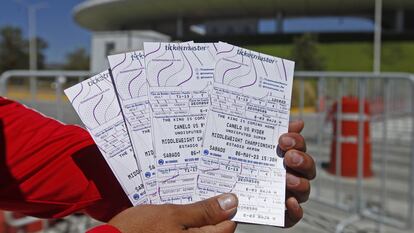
x,y
361,144
59,94
410,218
384,154
338,136
33,88
301,97
322,105
3,83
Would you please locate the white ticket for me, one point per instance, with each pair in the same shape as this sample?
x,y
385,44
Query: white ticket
x,y
96,104
179,76
129,79
250,103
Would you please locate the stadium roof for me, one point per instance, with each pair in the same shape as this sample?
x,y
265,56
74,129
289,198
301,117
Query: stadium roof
x,y
123,14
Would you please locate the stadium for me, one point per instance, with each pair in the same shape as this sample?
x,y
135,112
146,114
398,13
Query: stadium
x,y
123,25
175,17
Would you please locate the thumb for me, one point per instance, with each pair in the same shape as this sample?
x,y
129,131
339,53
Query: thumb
x,y
208,212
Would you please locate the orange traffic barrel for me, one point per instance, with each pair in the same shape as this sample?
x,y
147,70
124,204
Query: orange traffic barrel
x,y
348,139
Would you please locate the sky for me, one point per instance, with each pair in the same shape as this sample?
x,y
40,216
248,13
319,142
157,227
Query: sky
x,y
56,25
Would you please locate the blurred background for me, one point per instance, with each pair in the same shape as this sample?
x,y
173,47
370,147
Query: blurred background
x,y
354,86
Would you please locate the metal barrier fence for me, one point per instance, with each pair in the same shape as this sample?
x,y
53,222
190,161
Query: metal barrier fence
x,y
386,198
57,80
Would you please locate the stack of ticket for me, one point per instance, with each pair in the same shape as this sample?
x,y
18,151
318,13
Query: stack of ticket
x,y
182,122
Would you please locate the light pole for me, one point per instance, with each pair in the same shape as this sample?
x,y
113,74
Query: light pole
x,y
377,36
31,16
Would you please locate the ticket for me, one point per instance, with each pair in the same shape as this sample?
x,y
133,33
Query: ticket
x,y
129,79
250,102
96,103
179,75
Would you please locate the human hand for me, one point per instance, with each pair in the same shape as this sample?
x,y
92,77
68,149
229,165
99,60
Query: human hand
x,y
300,169
209,216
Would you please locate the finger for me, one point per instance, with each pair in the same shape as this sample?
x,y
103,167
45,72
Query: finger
x,y
298,187
223,227
296,126
208,212
294,212
292,141
301,163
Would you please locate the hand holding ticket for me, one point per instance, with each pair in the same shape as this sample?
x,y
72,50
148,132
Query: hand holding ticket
x,y
197,120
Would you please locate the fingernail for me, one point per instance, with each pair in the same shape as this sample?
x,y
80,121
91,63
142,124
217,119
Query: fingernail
x,y
288,142
227,201
295,158
292,180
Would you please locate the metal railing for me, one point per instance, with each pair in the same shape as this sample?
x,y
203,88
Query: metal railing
x,y
386,198
58,79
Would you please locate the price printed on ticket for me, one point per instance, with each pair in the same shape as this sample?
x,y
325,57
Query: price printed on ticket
x,y
250,102
182,122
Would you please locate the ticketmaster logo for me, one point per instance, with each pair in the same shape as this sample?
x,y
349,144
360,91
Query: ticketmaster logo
x,y
138,56
254,56
174,47
98,78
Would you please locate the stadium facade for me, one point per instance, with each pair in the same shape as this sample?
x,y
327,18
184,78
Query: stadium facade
x,y
120,25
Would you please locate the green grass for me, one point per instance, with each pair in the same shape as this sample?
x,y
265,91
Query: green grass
x,y
354,56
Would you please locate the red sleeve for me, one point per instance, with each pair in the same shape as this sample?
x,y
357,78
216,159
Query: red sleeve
x,y
49,170
104,229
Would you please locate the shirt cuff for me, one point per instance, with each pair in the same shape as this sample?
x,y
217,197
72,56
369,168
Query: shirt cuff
x,y
104,229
